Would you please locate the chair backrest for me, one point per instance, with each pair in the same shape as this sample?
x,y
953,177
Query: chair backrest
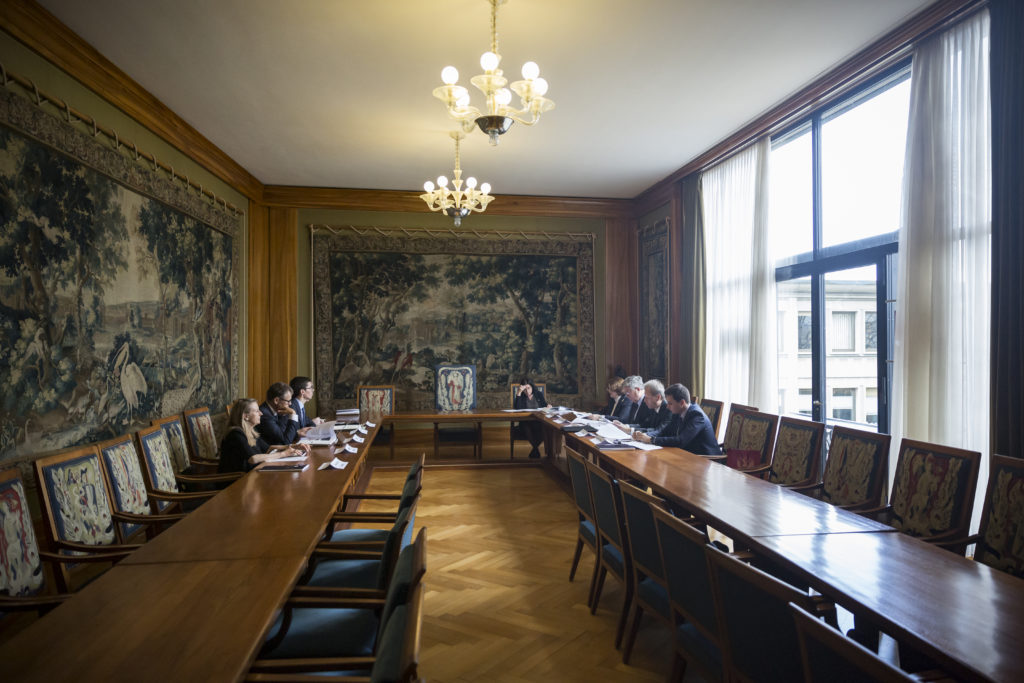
x,y
375,401
408,572
397,656
156,461
752,437
175,433
201,438
454,387
604,491
1002,518
856,467
759,640
797,456
75,502
127,485
933,492
513,387
643,537
398,537
21,571
740,406
713,409
828,655
686,572
416,469
580,485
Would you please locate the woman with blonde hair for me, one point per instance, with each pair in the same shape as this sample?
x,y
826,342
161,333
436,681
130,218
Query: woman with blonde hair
x,y
242,448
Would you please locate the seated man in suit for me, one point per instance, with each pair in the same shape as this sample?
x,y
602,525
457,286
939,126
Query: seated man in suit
x,y
689,428
302,393
279,424
653,413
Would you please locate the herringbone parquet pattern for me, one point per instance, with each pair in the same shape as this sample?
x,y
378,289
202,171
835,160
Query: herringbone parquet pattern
x,y
499,606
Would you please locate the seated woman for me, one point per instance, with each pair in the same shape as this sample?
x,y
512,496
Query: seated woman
x,y
529,396
616,401
242,448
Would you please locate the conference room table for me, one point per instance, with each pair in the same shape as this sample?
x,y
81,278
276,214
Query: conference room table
x,y
437,417
196,602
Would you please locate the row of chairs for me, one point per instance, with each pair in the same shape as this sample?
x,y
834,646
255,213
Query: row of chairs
x,y
729,619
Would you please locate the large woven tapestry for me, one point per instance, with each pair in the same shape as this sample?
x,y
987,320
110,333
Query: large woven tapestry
x,y
118,289
389,308
654,289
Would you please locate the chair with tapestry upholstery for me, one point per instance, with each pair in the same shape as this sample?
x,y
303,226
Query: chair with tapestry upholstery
x,y
123,470
650,593
827,655
455,390
797,458
613,539
855,470
374,402
758,636
162,483
586,529
750,439
77,512
193,474
932,493
734,426
695,624
1002,519
202,439
713,409
515,433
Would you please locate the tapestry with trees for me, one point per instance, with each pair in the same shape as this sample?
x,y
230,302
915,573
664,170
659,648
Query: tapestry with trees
x,y
118,289
389,308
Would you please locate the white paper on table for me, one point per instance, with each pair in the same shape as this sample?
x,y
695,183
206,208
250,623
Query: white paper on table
x,y
595,439
362,430
558,421
350,449
642,446
358,439
610,432
291,458
334,465
371,425
345,428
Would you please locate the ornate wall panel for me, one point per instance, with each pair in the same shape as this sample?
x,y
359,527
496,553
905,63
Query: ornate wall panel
x,y
653,276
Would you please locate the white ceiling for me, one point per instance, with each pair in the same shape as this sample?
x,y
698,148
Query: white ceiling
x,y
337,93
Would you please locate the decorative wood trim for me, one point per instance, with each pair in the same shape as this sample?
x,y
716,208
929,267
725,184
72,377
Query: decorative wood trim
x,y
884,52
40,31
395,200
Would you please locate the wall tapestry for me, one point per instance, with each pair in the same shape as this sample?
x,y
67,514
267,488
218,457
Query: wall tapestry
x,y
118,289
389,307
654,294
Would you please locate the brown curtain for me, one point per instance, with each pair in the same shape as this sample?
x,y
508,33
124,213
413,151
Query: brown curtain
x,y
692,325
1007,74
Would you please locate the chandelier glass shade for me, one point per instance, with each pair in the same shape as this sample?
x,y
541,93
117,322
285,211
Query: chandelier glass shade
x,y
455,201
497,115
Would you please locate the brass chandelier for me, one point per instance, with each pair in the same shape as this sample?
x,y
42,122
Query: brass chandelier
x,y
498,115
455,201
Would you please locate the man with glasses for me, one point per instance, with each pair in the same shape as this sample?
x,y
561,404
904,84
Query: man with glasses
x,y
302,389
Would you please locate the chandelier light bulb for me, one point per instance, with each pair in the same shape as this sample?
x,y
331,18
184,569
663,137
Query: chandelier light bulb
x,y
540,87
471,182
489,61
531,71
450,75
486,188
428,186
462,100
442,181
503,96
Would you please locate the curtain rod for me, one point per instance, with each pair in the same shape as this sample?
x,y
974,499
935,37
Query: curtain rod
x,y
29,86
451,232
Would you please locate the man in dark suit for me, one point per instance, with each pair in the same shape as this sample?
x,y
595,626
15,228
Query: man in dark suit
x,y
279,424
653,413
302,393
633,390
689,428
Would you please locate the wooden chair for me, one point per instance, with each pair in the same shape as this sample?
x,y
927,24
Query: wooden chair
x,y
175,434
77,512
827,655
586,528
695,633
412,485
755,440
202,440
758,636
472,435
855,470
375,537
933,492
1002,519
797,457
123,471
613,539
515,433
713,409
162,482
650,592
374,402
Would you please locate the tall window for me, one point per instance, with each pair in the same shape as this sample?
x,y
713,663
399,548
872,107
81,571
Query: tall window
x,y
836,180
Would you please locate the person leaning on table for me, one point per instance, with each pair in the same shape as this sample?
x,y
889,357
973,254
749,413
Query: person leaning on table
x,y
242,448
689,428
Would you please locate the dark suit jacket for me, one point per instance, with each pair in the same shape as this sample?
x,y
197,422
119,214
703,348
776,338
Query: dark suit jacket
x,y
652,420
690,431
538,400
304,419
276,429
621,410
628,416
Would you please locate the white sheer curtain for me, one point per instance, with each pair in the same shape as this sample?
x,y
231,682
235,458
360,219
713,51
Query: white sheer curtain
x,y
740,363
941,372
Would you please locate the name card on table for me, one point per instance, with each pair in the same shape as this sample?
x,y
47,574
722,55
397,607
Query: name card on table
x,y
371,425
351,449
358,439
334,465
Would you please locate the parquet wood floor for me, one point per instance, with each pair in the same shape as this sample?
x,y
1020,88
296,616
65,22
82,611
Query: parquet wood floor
x,y
499,605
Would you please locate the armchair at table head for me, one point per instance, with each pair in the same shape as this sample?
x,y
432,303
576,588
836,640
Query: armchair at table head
x,y
375,401
455,387
797,458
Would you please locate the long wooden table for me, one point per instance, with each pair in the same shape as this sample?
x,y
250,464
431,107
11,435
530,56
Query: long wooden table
x,y
477,417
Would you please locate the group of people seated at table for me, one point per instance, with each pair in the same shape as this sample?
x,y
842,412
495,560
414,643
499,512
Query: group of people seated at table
x,y
257,433
664,416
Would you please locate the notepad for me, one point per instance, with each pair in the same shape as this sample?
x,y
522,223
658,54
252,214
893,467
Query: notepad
x,y
291,467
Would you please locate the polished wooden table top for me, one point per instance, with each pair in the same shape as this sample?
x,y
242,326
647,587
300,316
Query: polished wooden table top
x,y
966,615
194,621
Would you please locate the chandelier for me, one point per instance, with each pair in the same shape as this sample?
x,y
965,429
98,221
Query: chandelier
x,y
455,201
499,116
